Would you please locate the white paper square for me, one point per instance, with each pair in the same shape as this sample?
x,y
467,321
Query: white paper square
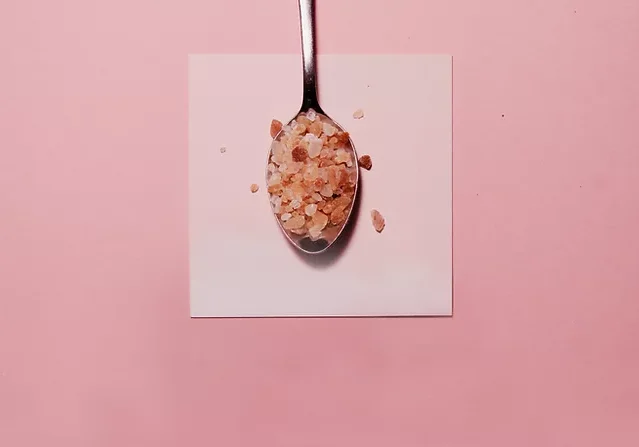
x,y
240,263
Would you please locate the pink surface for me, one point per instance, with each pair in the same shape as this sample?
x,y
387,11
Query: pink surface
x,y
96,347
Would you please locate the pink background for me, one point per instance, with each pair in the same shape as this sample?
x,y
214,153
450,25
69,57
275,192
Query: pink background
x,y
96,347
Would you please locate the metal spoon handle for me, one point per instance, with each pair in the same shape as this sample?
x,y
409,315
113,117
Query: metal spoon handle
x,y
307,24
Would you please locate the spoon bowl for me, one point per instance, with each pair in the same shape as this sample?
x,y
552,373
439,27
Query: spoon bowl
x,y
312,172
312,178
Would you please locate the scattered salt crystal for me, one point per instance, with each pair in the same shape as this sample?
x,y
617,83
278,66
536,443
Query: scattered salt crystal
x,y
254,188
378,221
222,149
366,162
358,114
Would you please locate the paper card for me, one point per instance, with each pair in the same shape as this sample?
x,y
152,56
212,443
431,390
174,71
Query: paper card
x,y
241,265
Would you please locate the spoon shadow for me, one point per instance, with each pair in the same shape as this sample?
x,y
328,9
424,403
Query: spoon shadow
x,y
334,252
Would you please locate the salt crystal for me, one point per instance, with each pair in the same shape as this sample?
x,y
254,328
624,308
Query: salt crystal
x,y
314,232
276,127
358,114
378,221
329,130
315,128
320,220
275,179
326,191
299,154
366,162
338,216
310,209
311,115
314,146
286,216
295,223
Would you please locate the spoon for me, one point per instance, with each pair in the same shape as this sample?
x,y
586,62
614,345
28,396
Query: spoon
x,y
312,169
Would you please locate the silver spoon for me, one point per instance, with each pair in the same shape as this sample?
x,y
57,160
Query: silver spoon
x,y
301,210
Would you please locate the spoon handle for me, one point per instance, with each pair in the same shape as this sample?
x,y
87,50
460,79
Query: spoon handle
x,y
307,24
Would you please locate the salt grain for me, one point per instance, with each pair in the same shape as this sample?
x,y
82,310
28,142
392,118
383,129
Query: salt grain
x,y
378,221
310,209
358,114
366,162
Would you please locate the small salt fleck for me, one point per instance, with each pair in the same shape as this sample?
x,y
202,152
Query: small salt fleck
x,y
366,162
254,188
358,114
222,149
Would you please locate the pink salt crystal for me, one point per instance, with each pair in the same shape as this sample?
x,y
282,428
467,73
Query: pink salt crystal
x,y
311,115
310,209
378,221
320,220
294,223
326,191
314,146
315,233
329,130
